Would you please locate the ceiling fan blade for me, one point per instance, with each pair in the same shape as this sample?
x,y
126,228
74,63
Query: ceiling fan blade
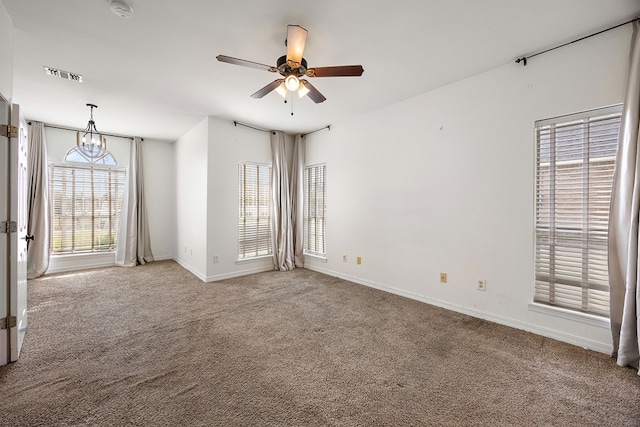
x,y
340,71
245,63
268,88
314,94
296,39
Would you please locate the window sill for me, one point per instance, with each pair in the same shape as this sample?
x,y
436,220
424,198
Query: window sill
x,y
316,257
81,255
254,259
575,316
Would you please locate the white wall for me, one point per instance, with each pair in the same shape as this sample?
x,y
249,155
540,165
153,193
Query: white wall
x,y
6,53
228,146
159,176
160,192
444,182
191,164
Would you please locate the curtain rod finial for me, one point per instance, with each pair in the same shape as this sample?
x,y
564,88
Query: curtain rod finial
x,y
523,60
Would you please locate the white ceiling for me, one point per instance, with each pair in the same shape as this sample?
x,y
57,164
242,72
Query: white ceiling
x,y
155,74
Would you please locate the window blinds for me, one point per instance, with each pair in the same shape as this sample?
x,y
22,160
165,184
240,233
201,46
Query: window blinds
x,y
315,179
85,208
575,164
254,228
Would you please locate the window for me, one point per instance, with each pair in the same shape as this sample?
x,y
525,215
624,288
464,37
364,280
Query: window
x,y
86,200
254,228
575,163
315,207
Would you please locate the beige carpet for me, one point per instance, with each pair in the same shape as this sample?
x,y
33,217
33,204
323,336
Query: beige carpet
x,y
154,346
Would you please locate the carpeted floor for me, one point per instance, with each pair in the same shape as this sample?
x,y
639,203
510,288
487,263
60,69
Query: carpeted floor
x,y
154,346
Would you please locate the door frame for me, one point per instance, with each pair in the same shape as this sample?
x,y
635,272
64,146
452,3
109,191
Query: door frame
x,y
5,238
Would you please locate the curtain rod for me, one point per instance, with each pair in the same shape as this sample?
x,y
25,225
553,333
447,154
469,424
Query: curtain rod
x,y
525,58
249,126
81,130
327,127
236,123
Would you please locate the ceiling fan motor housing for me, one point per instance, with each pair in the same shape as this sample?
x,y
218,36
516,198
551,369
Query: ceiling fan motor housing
x,y
285,69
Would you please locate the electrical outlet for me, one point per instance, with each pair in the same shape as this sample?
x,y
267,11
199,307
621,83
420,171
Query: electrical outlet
x,y
359,260
216,259
344,258
443,277
481,285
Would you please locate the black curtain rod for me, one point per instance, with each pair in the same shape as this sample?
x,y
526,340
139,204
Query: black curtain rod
x,y
525,58
236,123
328,127
82,130
250,127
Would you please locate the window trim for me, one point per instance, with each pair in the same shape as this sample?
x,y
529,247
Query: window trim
x,y
84,166
567,120
306,251
568,314
256,257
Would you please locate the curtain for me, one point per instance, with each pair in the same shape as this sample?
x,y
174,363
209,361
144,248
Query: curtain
x,y
297,201
623,222
37,203
282,236
134,245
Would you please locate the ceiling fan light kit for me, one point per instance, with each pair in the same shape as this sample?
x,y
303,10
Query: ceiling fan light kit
x,y
292,83
293,66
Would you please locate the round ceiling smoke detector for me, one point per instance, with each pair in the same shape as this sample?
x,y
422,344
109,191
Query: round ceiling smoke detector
x,y
121,8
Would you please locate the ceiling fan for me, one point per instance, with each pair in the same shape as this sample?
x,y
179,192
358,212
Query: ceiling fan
x,y
293,66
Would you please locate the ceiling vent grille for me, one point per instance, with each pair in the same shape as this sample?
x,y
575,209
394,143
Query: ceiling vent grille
x,y
54,72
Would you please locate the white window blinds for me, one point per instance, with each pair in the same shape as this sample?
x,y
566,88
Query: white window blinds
x,y
315,206
85,208
254,228
575,163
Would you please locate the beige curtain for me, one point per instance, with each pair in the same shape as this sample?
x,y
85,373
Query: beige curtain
x,y
38,203
297,201
623,223
134,244
282,237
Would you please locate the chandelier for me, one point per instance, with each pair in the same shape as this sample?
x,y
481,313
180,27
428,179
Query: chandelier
x,y
92,143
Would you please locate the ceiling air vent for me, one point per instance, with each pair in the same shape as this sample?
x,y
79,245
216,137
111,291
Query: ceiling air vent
x,y
63,74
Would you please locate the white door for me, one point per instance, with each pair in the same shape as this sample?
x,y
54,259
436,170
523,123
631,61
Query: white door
x,y
4,237
18,194
13,220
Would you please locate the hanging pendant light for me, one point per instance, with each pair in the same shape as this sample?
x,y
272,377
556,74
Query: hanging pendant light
x,y
92,143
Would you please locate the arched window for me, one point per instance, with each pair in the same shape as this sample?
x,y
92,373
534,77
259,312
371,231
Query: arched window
x,y
86,199
76,155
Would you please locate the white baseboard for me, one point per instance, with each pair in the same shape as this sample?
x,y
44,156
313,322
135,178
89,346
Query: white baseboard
x,y
164,258
190,269
514,323
245,272
230,275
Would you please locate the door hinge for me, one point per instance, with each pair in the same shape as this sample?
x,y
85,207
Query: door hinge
x,y
8,131
8,227
8,322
